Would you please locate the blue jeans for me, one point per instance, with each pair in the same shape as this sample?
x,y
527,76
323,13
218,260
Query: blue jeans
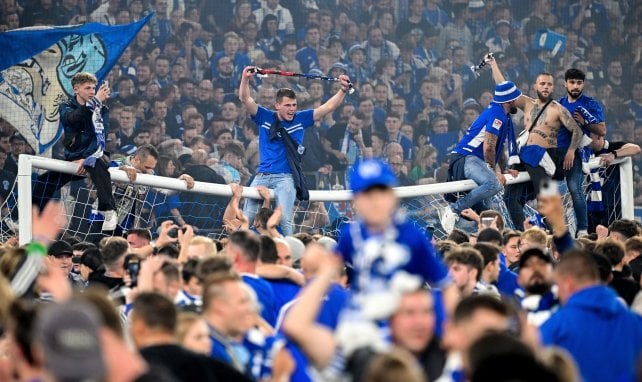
x,y
283,186
574,179
477,170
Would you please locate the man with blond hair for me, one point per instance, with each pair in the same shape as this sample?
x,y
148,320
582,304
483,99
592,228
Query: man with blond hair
x,y
200,247
226,308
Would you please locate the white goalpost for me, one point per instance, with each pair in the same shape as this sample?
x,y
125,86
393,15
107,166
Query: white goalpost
x,y
420,202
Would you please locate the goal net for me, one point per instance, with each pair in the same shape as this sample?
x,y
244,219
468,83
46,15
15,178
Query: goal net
x,y
151,199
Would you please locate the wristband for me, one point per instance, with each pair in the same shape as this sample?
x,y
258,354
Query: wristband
x,y
35,248
614,152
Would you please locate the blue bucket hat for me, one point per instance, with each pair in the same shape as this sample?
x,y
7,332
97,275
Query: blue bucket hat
x,y
370,173
506,92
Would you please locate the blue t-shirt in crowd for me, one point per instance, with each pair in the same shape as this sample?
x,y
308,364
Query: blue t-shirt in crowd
x,y
590,104
328,316
444,143
374,259
265,294
406,145
284,292
163,204
492,120
272,153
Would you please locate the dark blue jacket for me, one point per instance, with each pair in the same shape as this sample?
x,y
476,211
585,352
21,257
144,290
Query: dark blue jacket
x,y
80,137
601,333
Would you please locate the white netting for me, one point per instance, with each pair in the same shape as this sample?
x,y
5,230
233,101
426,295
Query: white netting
x,y
151,199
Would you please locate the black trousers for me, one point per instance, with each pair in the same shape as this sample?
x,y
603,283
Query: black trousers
x,y
50,182
516,195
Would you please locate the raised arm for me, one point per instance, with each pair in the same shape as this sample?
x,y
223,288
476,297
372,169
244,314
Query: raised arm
x,y
245,92
330,105
498,77
316,341
230,216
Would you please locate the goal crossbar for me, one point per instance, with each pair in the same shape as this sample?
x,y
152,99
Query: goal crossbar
x,y
27,164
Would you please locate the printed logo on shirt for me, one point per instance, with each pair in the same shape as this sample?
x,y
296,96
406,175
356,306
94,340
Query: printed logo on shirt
x,y
497,124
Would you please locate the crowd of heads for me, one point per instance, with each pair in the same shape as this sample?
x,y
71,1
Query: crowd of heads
x,y
128,298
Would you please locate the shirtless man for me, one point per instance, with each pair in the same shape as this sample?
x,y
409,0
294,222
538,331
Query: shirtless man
x,y
539,156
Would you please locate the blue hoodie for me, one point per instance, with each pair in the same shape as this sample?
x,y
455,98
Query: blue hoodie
x,y
602,334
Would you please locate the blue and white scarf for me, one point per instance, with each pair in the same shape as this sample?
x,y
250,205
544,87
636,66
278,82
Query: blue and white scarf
x,y
96,107
584,148
513,150
597,176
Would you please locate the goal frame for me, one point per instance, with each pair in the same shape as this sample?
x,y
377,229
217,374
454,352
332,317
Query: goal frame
x,y
28,163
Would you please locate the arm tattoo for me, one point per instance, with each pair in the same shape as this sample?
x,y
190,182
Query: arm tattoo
x,y
572,126
490,142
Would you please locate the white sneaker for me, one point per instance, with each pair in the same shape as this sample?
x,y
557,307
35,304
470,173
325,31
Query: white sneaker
x,y
581,233
448,219
111,220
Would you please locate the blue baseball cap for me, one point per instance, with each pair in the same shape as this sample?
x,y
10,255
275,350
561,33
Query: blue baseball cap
x,y
369,173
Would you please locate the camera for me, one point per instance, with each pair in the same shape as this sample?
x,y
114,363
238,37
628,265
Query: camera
x,y
487,222
173,233
548,187
132,267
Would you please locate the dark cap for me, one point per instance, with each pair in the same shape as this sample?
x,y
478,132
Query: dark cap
x,y
60,247
68,334
334,38
523,258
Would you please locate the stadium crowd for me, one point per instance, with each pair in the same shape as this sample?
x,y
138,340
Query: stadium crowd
x,y
388,304
176,85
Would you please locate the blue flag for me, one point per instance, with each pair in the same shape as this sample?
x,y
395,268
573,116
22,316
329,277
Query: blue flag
x,y
36,67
